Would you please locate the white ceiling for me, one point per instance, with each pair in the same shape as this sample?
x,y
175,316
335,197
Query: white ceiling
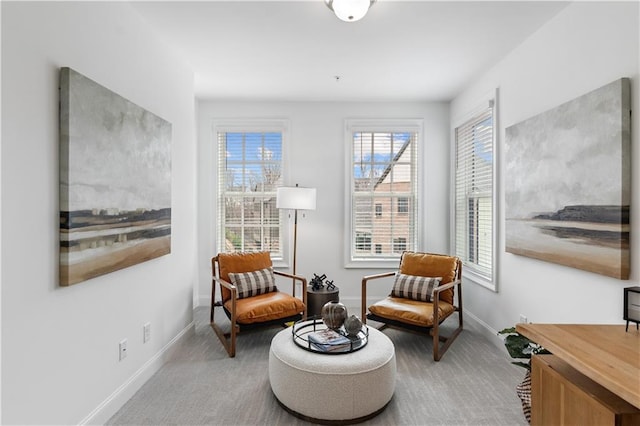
x,y
292,50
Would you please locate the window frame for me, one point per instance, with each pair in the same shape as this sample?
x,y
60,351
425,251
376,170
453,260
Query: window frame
x,y
489,100
352,126
253,126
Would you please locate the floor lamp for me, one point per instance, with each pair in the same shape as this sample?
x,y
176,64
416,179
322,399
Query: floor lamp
x,y
295,198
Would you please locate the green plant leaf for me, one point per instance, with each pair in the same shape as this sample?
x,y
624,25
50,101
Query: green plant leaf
x,y
510,330
518,346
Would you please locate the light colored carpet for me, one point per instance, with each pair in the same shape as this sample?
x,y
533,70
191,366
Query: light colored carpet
x,y
473,384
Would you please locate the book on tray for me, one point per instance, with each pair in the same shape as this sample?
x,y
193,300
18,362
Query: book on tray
x,y
328,340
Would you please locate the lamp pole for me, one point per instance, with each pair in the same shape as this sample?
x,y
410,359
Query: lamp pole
x,y
295,198
295,237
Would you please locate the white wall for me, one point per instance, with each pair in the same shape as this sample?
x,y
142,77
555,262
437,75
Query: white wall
x,y
60,345
316,159
586,46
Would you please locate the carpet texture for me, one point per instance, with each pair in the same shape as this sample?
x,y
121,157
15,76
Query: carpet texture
x,y
473,384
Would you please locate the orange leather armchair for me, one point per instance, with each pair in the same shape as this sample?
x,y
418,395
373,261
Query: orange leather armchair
x,y
244,309
406,307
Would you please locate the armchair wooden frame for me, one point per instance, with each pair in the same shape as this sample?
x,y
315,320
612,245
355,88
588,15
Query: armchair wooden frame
x,y
433,330
228,339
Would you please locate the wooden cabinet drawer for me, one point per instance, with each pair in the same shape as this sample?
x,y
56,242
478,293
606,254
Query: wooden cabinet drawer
x,y
563,396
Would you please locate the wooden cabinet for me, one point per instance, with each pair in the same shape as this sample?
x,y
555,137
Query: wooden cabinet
x,y
563,396
606,354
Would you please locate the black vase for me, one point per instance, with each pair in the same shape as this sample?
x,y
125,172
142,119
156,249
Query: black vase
x,y
334,314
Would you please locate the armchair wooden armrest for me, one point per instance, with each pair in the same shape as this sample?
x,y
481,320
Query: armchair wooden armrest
x,y
436,302
380,275
365,280
224,284
303,281
447,286
232,288
294,278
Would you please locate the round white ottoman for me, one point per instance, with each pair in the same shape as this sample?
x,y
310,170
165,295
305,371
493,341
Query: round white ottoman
x,y
325,388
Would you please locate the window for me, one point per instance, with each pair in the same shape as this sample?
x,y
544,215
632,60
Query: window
x,y
403,205
399,244
363,242
382,196
474,195
249,171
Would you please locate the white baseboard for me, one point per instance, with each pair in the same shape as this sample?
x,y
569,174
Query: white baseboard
x,y
483,328
103,412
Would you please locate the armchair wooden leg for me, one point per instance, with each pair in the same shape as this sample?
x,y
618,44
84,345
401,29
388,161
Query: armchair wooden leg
x,y
363,302
228,340
229,345
213,301
438,351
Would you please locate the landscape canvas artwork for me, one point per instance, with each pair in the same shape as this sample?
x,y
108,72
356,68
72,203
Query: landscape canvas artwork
x,y
115,181
567,183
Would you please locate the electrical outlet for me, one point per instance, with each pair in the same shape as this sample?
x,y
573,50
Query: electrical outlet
x,y
146,336
523,319
123,349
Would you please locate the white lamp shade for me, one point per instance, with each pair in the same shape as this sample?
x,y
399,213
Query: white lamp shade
x,y
296,198
350,10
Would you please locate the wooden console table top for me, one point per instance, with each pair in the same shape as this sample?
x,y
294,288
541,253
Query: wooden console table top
x,y
605,353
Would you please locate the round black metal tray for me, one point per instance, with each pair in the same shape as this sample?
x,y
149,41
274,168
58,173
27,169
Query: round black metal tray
x,y
302,329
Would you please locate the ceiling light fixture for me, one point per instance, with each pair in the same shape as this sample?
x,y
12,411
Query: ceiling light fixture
x,y
349,10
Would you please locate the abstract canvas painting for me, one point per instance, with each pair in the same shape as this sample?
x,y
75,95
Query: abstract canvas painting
x,y
115,181
567,183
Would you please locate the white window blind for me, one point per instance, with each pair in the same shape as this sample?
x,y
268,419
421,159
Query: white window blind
x,y
474,193
249,172
384,194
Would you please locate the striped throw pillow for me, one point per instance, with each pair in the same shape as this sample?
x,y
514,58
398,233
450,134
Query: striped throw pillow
x,y
414,287
253,283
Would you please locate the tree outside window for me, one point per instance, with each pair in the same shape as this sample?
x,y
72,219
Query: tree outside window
x,y
249,172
